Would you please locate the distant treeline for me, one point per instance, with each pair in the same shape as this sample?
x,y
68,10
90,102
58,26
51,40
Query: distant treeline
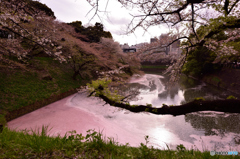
x,y
93,33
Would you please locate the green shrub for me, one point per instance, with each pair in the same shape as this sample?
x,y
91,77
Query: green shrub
x,y
147,110
148,105
199,99
100,87
231,97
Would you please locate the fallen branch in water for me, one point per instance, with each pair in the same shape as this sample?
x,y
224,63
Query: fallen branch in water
x,y
228,105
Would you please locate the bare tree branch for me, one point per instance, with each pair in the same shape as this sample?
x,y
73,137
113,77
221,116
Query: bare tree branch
x,y
193,28
234,4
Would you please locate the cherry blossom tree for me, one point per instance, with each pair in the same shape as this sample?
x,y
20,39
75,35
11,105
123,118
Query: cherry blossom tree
x,y
185,17
30,30
196,23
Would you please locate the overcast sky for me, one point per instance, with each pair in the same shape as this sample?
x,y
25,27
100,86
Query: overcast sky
x,y
115,20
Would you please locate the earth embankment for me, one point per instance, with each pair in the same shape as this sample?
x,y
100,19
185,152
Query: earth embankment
x,y
227,78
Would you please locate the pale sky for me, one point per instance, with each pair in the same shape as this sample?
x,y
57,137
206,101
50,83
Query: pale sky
x,y
115,20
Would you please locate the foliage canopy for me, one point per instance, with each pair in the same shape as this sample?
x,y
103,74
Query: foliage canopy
x,y
93,33
209,24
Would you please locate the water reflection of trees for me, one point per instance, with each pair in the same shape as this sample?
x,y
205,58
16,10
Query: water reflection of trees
x,y
186,82
208,93
171,92
131,89
152,85
214,124
191,94
137,87
191,89
134,86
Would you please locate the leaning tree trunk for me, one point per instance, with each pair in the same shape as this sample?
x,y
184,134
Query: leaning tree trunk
x,y
228,105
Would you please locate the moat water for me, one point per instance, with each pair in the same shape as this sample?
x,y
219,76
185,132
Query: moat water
x,y
206,130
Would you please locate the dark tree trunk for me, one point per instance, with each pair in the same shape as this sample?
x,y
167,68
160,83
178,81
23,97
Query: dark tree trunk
x,y
76,73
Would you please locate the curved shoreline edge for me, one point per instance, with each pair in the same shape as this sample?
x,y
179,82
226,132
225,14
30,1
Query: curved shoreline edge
x,y
38,104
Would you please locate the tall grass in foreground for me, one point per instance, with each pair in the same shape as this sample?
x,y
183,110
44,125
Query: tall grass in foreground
x,y
37,144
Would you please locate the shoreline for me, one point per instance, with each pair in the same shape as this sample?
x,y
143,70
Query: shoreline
x,y
37,105
62,117
226,79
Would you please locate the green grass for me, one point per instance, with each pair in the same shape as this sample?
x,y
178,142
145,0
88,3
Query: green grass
x,y
155,66
38,144
19,88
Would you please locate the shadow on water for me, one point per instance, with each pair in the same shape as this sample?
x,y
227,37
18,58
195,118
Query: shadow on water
x,y
211,129
212,124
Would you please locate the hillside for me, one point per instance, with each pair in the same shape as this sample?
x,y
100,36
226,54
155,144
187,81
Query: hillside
x,y
43,60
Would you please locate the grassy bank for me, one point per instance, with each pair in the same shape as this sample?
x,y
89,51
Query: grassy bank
x,y
42,82
37,144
